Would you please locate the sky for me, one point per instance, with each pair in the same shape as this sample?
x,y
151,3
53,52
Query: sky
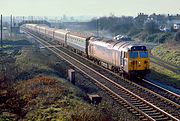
x,y
87,7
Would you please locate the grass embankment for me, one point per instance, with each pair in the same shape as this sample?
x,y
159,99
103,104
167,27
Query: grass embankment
x,y
165,76
47,99
168,52
38,93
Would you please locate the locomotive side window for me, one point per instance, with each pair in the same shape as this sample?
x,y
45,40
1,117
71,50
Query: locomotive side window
x,y
143,54
133,54
125,54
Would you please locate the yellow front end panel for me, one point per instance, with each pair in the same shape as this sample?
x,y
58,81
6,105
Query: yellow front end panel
x,y
138,64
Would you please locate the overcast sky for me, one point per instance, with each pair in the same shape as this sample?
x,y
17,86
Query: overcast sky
x,y
87,7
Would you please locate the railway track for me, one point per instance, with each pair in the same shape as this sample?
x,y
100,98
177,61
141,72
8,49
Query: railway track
x,y
137,105
163,102
161,91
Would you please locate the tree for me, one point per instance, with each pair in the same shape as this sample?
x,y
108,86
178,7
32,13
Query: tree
x,y
151,27
177,36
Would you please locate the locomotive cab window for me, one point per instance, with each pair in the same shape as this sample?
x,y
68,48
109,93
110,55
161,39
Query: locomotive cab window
x,y
125,55
133,54
143,54
121,54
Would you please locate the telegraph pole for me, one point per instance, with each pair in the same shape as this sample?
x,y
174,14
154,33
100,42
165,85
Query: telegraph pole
x,y
1,32
97,24
11,26
23,19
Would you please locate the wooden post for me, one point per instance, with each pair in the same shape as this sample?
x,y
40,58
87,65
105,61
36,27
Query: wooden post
x,y
71,76
94,98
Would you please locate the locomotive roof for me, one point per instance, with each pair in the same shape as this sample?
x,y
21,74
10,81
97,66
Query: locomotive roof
x,y
118,45
128,45
105,42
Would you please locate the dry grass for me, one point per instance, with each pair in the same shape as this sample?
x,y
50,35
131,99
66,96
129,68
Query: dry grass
x,y
39,87
168,52
47,99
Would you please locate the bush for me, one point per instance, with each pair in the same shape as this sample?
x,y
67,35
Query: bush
x,y
151,27
177,36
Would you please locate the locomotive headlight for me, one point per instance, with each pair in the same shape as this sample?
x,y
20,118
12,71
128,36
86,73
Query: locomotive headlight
x,y
139,62
132,62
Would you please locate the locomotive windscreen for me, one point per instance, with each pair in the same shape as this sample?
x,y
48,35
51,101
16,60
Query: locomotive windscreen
x,y
138,48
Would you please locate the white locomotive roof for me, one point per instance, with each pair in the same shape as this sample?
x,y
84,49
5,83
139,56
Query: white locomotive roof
x,y
125,45
113,44
104,42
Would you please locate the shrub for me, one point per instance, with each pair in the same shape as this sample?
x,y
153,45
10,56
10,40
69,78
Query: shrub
x,y
177,36
151,27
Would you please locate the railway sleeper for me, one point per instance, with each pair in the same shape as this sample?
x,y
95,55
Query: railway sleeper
x,y
146,109
133,99
136,102
132,109
162,119
115,98
141,117
145,119
125,105
154,114
158,116
151,111
128,107
135,112
141,107
119,101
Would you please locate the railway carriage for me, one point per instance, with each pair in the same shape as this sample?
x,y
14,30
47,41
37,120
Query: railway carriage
x,y
42,30
32,27
79,42
50,33
61,36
